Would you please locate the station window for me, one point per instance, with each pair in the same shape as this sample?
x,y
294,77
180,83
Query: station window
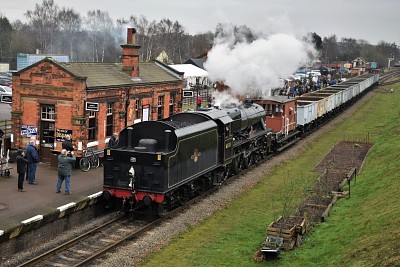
x,y
48,113
92,126
160,108
171,104
110,119
137,108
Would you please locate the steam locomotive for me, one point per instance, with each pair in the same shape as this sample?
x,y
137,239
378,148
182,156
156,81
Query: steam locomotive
x,y
162,164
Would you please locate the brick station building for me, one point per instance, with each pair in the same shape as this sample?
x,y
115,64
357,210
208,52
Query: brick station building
x,y
90,100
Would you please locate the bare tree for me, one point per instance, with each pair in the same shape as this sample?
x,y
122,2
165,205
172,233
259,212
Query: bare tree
x,y
178,32
44,23
100,27
5,39
329,49
70,23
146,31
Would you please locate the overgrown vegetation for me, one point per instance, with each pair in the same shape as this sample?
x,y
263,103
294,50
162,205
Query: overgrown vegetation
x,y
361,231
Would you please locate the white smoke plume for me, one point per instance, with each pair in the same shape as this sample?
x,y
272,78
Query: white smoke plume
x,y
251,68
220,99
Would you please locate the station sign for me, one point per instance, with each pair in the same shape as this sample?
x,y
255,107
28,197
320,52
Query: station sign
x,y
187,93
28,131
6,99
92,106
61,133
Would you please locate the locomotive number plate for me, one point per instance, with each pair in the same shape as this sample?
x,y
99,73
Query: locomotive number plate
x,y
132,159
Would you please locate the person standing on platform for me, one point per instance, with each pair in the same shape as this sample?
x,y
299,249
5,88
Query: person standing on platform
x,y
66,161
199,102
67,144
33,138
113,140
33,159
21,169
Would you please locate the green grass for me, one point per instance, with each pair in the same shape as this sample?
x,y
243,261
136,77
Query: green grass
x,y
361,231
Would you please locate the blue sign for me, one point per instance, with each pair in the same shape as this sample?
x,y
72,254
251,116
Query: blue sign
x,y
28,131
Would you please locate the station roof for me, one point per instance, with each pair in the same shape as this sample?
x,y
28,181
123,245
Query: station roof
x,y
109,74
103,74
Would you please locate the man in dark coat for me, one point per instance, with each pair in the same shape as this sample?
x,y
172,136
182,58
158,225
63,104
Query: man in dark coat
x,y
21,169
67,144
33,159
66,162
113,140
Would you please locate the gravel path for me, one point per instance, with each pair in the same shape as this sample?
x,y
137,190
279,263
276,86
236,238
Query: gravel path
x,y
132,254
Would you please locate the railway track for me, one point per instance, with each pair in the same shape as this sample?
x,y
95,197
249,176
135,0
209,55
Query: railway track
x,y
92,245
389,78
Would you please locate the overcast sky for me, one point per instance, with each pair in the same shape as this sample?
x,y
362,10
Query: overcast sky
x,y
370,20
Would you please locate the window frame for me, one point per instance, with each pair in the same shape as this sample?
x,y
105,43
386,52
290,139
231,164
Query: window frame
x,y
91,134
109,119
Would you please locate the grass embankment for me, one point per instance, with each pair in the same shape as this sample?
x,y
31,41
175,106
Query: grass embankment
x,y
361,231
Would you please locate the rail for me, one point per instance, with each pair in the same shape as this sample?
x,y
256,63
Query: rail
x,y
93,244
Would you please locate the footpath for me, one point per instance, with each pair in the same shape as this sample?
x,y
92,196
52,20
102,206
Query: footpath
x,y
42,199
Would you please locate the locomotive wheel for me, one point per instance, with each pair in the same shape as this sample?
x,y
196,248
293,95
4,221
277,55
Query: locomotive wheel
x,y
237,166
246,162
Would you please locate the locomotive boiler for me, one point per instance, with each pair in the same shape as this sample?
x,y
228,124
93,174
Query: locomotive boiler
x,y
162,164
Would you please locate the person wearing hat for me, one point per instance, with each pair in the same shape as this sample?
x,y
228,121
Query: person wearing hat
x,y
21,168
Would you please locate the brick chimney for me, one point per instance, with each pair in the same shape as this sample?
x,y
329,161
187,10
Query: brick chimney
x,y
130,55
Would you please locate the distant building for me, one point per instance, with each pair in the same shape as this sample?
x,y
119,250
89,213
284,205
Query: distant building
x,y
4,67
191,74
25,60
359,66
164,58
198,62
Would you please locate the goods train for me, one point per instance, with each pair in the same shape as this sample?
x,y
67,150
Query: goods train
x,y
162,164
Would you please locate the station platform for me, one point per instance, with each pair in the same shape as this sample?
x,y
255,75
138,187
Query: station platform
x,y
42,199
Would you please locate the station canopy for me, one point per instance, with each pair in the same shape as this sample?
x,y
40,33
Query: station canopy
x,y
190,70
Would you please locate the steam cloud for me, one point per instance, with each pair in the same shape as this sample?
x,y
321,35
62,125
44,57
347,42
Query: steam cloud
x,y
253,68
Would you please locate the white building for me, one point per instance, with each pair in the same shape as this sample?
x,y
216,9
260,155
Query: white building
x,y
192,72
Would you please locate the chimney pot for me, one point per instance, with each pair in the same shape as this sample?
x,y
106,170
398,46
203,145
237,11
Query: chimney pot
x,y
131,36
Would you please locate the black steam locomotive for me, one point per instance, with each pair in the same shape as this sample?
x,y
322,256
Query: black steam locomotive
x,y
162,164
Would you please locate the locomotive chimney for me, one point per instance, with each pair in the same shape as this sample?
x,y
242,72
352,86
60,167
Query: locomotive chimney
x,y
130,129
130,55
167,134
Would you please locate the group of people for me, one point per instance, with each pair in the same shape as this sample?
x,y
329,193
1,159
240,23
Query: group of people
x,y
28,159
306,85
